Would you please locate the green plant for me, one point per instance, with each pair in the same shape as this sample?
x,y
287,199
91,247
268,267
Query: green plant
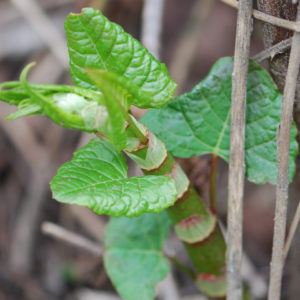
x,y
112,72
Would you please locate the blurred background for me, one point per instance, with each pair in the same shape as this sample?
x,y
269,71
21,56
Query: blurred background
x,y
33,265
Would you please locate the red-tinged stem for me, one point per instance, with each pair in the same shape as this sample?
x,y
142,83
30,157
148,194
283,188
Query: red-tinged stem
x,y
182,267
212,184
195,225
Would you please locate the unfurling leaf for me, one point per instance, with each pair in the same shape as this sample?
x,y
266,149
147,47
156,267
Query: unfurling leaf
x,y
118,94
134,256
68,106
97,178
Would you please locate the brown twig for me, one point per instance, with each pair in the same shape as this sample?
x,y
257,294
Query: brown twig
x,y
292,231
237,152
71,238
274,50
254,280
295,26
283,168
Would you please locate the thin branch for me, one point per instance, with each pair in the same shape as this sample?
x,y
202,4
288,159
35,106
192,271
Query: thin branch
x,y
152,24
212,184
71,238
274,50
237,152
253,279
283,168
292,231
295,26
180,266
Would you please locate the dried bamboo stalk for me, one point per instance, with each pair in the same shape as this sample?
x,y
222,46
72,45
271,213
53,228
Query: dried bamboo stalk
x,y
295,26
292,231
274,50
69,237
237,152
283,168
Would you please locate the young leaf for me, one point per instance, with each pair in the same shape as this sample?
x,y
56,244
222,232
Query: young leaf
x,y
12,92
116,104
118,95
26,107
134,256
68,106
96,178
95,42
199,122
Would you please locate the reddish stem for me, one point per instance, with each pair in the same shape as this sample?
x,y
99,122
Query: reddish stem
x,y
212,184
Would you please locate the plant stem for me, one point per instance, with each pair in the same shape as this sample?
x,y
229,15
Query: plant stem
x,y
212,184
135,130
195,225
180,266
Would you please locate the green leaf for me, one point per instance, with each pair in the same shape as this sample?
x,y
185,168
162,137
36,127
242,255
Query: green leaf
x,y
199,122
68,106
118,95
12,92
116,102
134,256
95,42
25,108
97,178
121,88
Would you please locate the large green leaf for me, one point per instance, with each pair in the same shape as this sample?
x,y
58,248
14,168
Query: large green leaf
x,y
97,178
95,42
134,259
199,122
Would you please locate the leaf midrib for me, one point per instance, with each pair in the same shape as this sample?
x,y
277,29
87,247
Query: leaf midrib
x,y
114,180
93,42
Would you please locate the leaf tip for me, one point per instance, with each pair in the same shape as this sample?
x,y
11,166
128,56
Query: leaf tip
x,y
24,73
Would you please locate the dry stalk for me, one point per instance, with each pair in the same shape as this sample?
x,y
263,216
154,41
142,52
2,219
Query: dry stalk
x,y
71,238
295,26
274,50
283,168
237,152
292,231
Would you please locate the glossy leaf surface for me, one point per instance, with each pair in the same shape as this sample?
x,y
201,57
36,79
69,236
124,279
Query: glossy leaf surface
x,y
199,122
134,256
97,178
95,42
